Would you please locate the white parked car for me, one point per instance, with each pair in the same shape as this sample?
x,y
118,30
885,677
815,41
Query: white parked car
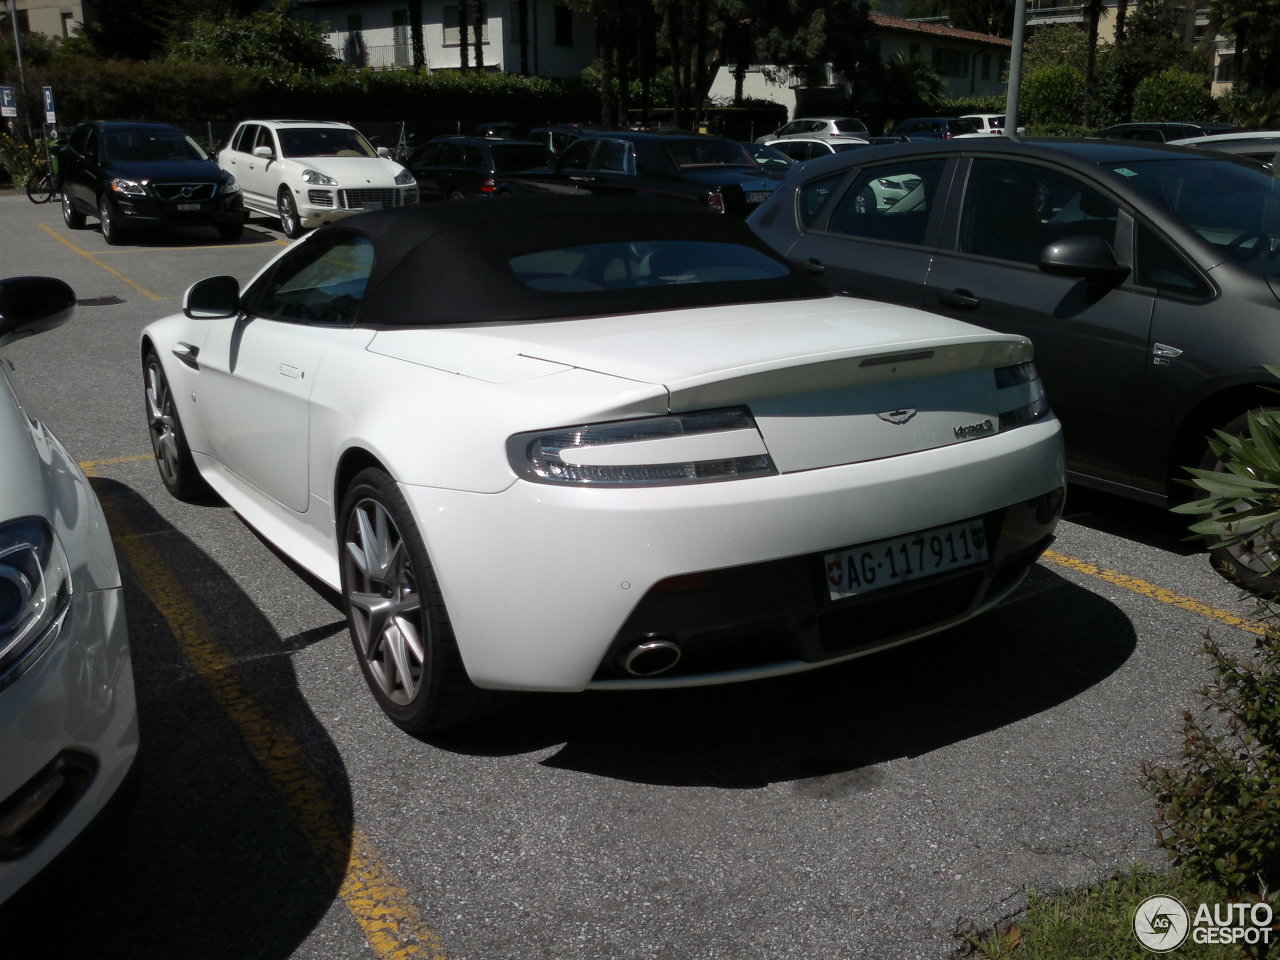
x,y
68,722
556,443
818,127
804,148
309,172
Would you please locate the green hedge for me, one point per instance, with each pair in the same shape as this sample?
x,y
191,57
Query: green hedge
x,y
192,93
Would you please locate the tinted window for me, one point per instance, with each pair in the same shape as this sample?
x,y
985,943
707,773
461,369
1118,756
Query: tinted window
x,y
615,156
1160,266
850,126
1233,206
576,156
320,283
814,196
1013,210
889,202
517,156
624,265
138,144
711,152
324,142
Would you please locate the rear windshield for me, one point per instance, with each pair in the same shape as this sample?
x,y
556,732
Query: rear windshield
x,y
508,157
691,154
1234,206
149,145
324,142
624,265
850,126
963,126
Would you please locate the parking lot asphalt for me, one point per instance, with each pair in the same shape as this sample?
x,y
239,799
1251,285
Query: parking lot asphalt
x,y
874,809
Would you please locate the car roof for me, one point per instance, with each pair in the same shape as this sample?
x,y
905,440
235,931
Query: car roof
x,y
1245,136
427,257
135,125
300,123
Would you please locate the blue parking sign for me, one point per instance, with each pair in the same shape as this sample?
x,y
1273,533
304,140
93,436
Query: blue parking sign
x,y
49,115
8,102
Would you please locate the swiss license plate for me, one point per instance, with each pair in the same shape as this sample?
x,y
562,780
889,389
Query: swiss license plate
x,y
188,207
870,566
371,205
757,196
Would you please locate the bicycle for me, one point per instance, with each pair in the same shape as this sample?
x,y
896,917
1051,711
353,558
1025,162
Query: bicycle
x,y
40,188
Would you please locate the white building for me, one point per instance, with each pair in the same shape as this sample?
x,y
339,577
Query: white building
x,y
558,42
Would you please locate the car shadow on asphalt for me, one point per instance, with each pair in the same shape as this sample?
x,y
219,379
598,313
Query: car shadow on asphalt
x,y
1143,523
178,237
1053,641
207,860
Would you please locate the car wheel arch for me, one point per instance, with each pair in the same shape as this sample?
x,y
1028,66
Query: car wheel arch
x,y
1211,413
352,461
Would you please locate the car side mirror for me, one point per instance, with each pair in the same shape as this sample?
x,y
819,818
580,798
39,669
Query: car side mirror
x,y
265,153
384,152
214,298
31,305
1087,257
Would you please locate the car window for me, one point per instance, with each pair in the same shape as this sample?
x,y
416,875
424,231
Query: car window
x,y
428,155
576,156
814,196
1232,205
322,283
623,265
145,144
517,156
1012,210
80,138
962,126
692,154
471,156
615,156
324,142
264,139
1159,265
890,202
850,126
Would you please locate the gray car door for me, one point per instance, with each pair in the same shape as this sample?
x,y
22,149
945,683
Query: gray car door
x,y
872,234
1091,339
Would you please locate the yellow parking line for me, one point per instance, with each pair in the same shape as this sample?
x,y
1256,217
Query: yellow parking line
x,y
94,260
381,906
1147,589
90,466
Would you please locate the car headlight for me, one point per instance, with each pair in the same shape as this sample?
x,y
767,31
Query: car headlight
x,y
1020,395
404,178
35,594
700,447
318,179
230,186
131,188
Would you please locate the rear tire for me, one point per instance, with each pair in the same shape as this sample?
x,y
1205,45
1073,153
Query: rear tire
x,y
72,217
107,217
399,626
1251,564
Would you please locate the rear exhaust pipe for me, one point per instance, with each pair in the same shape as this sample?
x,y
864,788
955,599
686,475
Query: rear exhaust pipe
x,y
651,657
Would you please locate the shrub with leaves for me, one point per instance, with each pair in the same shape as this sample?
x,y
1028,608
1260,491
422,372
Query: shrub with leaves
x,y
1218,808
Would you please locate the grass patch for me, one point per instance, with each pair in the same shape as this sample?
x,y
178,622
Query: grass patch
x,y
1097,923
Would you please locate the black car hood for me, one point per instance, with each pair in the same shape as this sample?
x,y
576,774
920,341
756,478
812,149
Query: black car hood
x,y
171,170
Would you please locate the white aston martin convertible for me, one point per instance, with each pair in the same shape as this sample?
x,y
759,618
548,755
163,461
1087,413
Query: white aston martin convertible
x,y
558,444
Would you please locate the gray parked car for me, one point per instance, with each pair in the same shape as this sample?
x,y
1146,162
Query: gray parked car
x,y
1147,276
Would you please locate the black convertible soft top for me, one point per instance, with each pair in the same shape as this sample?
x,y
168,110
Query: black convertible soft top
x,y
451,262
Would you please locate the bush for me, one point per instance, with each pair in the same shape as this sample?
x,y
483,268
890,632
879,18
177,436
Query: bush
x,y
1174,94
1052,98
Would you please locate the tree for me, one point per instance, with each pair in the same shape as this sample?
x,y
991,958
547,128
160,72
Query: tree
x,y
1051,99
1255,25
1174,94
415,35
141,29
271,39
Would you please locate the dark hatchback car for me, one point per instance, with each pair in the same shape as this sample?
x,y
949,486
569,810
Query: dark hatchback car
x,y
715,172
132,175
1147,276
1162,132
451,168
933,128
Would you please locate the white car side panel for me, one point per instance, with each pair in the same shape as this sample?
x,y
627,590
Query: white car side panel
x,y
548,627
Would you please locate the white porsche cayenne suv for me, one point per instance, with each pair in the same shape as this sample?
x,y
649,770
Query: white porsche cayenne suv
x,y
68,720
309,172
559,443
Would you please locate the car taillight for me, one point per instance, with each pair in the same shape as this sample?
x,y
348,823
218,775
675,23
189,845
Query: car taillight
x,y
489,186
715,202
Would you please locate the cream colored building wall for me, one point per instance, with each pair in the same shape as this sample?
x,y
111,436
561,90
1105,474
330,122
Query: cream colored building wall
x,y
53,18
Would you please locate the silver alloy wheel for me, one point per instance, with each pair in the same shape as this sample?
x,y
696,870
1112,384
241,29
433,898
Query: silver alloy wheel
x,y
106,219
384,604
290,225
164,438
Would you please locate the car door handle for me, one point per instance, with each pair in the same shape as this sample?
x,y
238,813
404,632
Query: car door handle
x,y
583,179
814,266
187,353
958,298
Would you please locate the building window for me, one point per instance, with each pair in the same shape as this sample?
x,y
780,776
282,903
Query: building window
x,y
564,27
400,37
1225,72
452,36
354,51
985,68
951,63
